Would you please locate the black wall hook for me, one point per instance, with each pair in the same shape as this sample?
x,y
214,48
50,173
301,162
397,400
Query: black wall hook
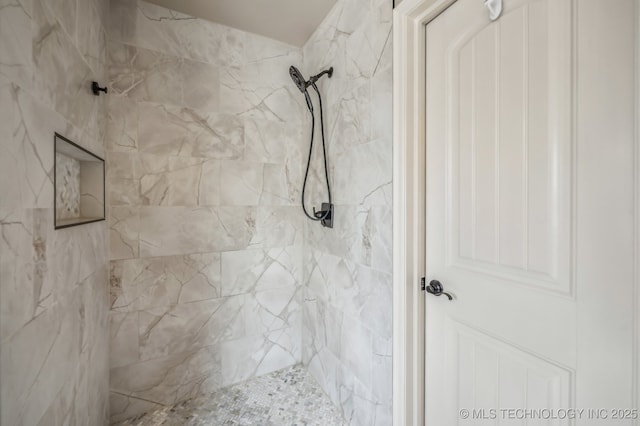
x,y
96,89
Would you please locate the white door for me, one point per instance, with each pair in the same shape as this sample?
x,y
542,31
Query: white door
x,y
530,213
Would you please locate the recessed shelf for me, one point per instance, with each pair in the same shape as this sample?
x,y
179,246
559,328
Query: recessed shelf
x,y
79,185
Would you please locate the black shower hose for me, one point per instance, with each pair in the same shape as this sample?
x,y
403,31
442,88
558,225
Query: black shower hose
x,y
324,153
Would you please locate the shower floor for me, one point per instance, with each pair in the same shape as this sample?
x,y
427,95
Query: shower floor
x,y
285,397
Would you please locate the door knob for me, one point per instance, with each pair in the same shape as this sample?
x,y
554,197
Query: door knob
x,y
435,288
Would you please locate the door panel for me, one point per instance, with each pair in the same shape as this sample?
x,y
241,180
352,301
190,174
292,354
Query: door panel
x,y
509,164
515,203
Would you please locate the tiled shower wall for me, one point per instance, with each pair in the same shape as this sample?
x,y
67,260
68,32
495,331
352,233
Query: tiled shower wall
x,y
347,309
53,284
204,156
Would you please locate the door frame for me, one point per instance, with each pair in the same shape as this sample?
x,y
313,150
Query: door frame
x,y
410,18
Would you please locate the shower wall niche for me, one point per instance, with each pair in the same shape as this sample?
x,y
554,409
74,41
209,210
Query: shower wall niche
x,y
79,185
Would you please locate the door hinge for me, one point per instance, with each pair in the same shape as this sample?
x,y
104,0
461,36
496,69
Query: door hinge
x,y
423,284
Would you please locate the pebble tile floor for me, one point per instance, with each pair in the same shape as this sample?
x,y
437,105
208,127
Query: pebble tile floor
x,y
284,398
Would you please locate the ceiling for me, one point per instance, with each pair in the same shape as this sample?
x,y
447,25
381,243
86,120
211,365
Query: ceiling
x,y
290,21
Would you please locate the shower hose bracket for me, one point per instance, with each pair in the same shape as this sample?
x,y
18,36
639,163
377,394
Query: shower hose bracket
x,y
326,214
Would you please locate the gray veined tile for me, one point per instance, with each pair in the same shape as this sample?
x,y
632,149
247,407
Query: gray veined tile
x,y
16,61
246,271
201,89
65,12
179,328
176,181
145,75
11,160
169,379
363,175
18,292
30,148
277,226
61,76
273,142
124,347
381,105
246,93
243,183
139,284
123,407
180,131
92,37
270,310
255,355
352,123
124,231
166,231
51,341
122,124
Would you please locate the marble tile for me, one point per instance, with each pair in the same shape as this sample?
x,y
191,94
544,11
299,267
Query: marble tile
x,y
347,309
36,361
138,284
382,37
91,37
65,12
178,328
244,92
92,384
124,223
200,86
356,401
382,106
323,325
289,396
145,75
243,183
18,294
122,124
53,297
123,407
270,310
363,175
257,355
121,21
382,367
180,230
124,344
375,247
272,142
156,28
61,76
277,226
178,181
326,370
352,124
254,270
175,131
16,61
11,163
165,380
365,235
123,174
31,148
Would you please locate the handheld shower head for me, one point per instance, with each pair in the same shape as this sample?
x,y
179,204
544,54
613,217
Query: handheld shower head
x,y
297,78
302,84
